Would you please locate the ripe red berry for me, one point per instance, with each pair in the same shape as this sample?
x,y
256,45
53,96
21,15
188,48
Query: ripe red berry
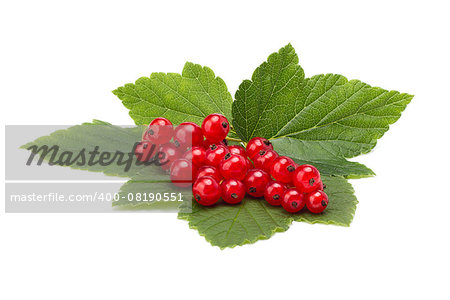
x,y
306,179
257,144
235,149
215,127
188,134
144,151
197,155
209,171
256,181
233,191
215,154
273,192
316,202
263,159
233,166
206,190
182,172
293,201
167,154
160,131
282,169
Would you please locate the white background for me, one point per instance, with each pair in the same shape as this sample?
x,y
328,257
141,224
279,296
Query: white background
x,y
60,61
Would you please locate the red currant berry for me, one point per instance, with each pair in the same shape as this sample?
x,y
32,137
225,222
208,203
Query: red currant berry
x,y
306,178
206,191
167,154
215,127
322,186
256,181
293,201
188,134
209,171
263,159
282,169
182,172
274,191
233,166
235,149
160,131
316,202
215,154
144,151
233,191
257,144
197,155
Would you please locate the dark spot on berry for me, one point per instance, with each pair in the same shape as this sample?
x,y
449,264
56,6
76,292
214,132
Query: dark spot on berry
x,y
151,132
234,196
197,197
213,147
144,146
252,190
177,144
227,156
311,182
262,152
294,204
291,168
267,143
224,124
276,197
323,203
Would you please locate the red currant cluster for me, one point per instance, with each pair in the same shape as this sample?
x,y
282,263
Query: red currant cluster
x,y
200,155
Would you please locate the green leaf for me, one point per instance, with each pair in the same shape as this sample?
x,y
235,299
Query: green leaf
x,y
180,98
234,225
343,117
142,191
264,104
86,137
254,219
304,152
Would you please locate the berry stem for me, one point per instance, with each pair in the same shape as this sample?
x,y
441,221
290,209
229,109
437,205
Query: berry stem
x,y
233,139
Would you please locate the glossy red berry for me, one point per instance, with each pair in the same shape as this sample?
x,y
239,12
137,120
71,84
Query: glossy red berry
x,y
197,155
182,172
206,191
215,154
257,144
188,134
273,192
293,201
215,127
233,166
282,169
209,171
255,182
306,178
144,151
233,191
160,131
263,159
167,154
316,202
236,149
